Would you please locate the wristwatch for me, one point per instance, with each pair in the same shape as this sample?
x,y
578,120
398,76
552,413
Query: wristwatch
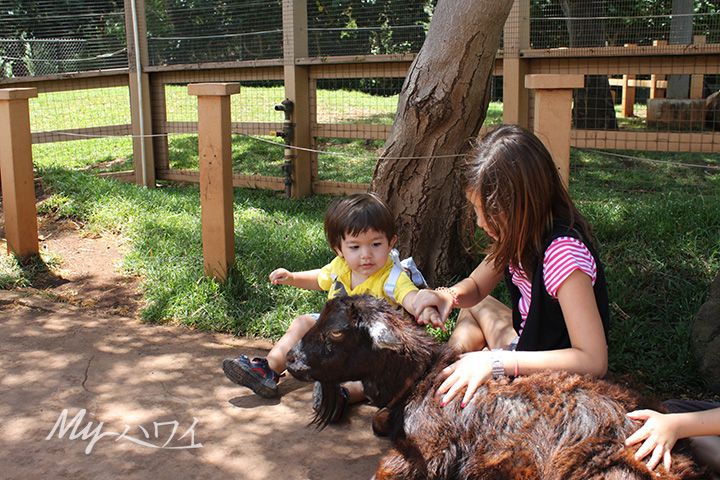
x,y
498,367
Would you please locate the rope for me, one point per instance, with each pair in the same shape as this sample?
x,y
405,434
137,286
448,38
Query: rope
x,y
651,160
373,157
369,157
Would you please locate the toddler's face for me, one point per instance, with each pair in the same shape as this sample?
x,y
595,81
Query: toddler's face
x,y
367,252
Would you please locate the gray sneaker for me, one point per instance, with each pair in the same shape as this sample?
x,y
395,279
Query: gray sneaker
x,y
254,374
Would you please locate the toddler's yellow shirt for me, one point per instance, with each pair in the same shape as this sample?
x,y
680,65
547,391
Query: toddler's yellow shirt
x,y
372,286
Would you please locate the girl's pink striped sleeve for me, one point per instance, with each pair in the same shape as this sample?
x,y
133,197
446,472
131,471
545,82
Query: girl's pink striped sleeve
x,y
564,256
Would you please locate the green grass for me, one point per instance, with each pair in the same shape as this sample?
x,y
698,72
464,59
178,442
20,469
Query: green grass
x,y
660,236
657,225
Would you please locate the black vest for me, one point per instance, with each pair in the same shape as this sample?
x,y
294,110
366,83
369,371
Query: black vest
x,y
545,327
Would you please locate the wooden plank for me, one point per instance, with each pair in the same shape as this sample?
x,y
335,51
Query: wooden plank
x,y
218,75
374,132
634,51
72,134
359,70
238,180
339,188
197,67
127,176
648,141
117,77
635,65
356,59
238,128
633,82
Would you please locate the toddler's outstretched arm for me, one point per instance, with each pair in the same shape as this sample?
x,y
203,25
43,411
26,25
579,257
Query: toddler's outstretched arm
x,y
307,280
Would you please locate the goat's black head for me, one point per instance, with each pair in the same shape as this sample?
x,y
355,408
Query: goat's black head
x,y
340,345
360,338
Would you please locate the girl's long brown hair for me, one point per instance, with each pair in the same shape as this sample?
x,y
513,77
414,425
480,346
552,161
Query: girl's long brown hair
x,y
512,177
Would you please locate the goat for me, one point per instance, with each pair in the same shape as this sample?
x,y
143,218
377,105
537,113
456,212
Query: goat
x,y
546,426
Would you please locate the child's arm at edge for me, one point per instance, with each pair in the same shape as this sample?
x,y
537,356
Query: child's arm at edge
x,y
661,431
307,279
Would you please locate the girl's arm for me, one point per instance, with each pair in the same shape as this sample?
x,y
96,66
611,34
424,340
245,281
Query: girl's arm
x,y
587,355
433,307
661,431
307,280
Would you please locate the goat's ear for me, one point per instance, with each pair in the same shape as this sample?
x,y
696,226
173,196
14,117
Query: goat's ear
x,y
372,319
381,335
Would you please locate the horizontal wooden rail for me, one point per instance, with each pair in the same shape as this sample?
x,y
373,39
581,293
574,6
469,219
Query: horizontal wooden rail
x,y
238,180
705,142
629,51
618,82
81,133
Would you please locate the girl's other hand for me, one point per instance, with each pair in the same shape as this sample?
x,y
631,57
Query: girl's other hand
x,y
469,372
280,276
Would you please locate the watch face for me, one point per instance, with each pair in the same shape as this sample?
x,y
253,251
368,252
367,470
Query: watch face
x,y
498,368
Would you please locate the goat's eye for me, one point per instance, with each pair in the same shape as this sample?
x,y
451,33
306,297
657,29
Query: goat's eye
x,y
335,335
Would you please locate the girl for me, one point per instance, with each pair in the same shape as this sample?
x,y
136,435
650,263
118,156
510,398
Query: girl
x,y
542,246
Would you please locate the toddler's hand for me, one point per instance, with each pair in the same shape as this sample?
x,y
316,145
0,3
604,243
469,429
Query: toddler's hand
x,y
280,276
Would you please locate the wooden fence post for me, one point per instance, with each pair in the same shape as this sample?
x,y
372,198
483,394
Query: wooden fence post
x,y
553,114
656,91
697,82
297,90
628,93
16,170
216,191
140,94
516,37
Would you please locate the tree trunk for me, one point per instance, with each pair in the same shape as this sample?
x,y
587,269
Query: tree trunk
x,y
442,106
593,105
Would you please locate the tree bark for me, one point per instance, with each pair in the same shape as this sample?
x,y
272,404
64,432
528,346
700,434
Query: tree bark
x,y
441,108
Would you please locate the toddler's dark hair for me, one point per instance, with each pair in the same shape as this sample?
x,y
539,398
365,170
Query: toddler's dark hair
x,y
357,214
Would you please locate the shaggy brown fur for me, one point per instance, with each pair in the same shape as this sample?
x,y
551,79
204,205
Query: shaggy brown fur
x,y
548,426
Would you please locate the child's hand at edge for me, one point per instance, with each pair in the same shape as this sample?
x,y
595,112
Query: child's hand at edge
x,y
281,276
659,434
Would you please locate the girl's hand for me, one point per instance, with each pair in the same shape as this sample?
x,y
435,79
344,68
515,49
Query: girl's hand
x,y
469,372
432,308
281,276
659,435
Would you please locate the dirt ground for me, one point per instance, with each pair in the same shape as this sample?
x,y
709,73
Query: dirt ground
x,y
89,391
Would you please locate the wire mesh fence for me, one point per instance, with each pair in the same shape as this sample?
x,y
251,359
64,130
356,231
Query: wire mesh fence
x,y
213,31
47,37
627,50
